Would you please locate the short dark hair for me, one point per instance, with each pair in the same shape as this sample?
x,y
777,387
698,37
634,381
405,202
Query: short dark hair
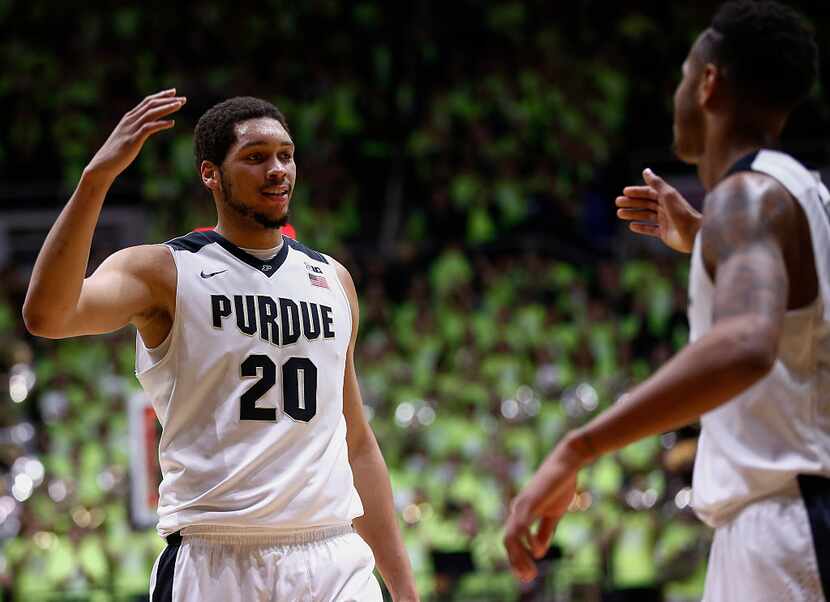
x,y
215,132
766,51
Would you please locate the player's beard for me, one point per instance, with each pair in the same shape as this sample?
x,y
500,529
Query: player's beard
x,y
689,126
241,209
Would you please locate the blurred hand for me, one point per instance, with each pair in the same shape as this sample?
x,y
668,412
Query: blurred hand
x,y
545,498
658,210
126,140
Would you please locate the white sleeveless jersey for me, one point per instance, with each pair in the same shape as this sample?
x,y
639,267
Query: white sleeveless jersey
x,y
755,445
250,392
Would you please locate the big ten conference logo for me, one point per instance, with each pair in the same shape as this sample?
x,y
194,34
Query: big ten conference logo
x,y
266,268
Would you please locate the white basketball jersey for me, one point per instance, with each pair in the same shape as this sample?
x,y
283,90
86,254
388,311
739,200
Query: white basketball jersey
x,y
755,445
250,391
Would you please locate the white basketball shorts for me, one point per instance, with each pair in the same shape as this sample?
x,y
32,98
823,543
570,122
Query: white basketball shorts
x,y
774,550
219,565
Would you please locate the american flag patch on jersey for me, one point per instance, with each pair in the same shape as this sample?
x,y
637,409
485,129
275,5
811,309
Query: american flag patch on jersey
x,y
318,281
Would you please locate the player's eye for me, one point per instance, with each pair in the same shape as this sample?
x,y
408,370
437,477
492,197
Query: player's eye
x,y
255,157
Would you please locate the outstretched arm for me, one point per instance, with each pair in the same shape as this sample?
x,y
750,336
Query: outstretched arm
x,y
59,301
747,220
378,525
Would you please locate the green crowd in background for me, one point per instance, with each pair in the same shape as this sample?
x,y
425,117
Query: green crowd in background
x,y
468,381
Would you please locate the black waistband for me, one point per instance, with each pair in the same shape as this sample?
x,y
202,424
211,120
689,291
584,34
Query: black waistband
x,y
815,490
174,539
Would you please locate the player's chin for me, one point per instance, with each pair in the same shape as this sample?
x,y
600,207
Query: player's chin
x,y
684,152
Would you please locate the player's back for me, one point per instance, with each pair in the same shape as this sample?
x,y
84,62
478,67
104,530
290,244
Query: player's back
x,y
249,390
755,445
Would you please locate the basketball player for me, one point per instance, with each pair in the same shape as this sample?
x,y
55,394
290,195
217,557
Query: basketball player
x,y
245,345
756,370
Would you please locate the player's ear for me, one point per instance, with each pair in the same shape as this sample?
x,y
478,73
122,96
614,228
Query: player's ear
x,y
211,177
711,84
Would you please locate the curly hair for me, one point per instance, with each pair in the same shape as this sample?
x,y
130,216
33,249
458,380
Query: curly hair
x,y
766,52
215,134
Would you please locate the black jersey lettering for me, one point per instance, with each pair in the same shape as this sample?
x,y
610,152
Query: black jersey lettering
x,y
328,320
280,321
290,319
311,320
245,314
220,308
268,328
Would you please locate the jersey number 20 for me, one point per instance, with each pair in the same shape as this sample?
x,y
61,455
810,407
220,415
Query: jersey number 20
x,y
299,388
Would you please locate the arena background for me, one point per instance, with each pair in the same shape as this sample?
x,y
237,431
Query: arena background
x,y
461,158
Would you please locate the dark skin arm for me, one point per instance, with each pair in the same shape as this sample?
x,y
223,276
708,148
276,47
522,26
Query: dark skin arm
x,y
748,222
136,285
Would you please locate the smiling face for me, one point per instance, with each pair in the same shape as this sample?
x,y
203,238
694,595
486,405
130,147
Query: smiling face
x,y
256,179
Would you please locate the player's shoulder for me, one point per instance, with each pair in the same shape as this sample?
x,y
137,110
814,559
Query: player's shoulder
x,y
192,242
150,263
142,257
749,204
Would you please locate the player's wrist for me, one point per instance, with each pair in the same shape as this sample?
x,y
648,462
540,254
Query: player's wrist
x,y
94,175
578,449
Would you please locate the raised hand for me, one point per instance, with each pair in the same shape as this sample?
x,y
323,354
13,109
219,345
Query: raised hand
x,y
658,210
126,140
545,499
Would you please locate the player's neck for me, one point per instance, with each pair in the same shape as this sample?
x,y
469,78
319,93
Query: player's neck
x,y
715,163
726,142
248,238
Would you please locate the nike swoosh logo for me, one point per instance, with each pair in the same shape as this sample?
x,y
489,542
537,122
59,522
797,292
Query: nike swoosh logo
x,y
212,274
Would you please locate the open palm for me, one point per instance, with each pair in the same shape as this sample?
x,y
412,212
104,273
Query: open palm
x,y
657,209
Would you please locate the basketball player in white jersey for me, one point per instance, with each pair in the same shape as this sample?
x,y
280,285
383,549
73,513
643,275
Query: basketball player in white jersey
x,y
756,371
245,345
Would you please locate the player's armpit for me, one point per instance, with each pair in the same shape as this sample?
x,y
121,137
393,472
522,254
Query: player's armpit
x,y
747,221
133,285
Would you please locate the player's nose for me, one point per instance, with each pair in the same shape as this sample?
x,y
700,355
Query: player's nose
x,y
276,170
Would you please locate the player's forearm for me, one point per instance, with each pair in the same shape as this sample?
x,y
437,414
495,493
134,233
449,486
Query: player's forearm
x,y
379,526
733,356
59,270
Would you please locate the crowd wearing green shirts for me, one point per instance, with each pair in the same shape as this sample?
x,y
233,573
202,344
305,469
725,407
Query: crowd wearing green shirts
x,y
469,378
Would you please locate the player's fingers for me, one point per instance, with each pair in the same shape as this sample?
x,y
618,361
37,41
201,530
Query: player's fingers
x,y
647,229
148,129
147,99
629,203
519,556
162,109
655,181
637,215
641,192
540,540
156,108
